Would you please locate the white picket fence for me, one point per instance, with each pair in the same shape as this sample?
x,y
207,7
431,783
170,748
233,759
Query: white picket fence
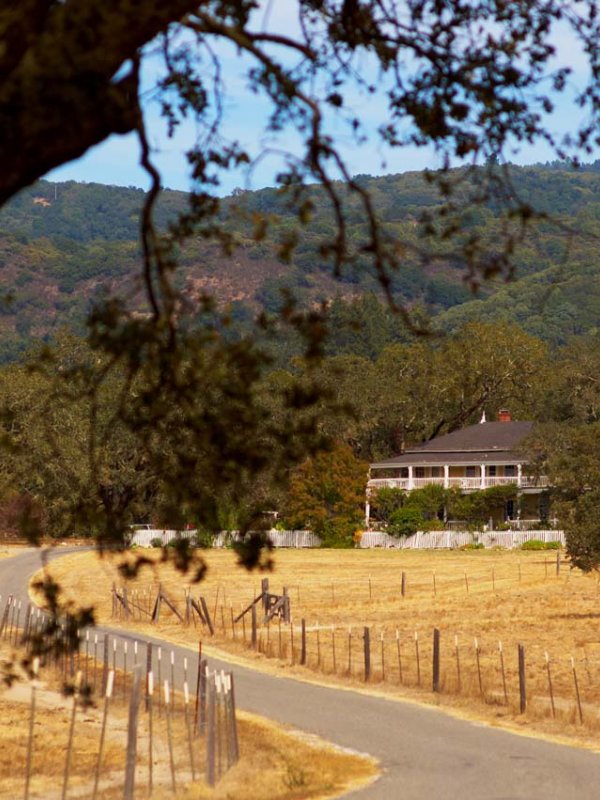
x,y
432,540
145,538
296,539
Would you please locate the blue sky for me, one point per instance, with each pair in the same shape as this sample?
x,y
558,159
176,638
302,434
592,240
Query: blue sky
x,y
116,160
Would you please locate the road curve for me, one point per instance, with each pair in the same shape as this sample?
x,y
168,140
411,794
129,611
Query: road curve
x,y
424,753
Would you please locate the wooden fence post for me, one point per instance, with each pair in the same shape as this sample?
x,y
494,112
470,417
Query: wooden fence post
x,y
367,649
107,696
286,605
403,585
105,664
254,632
550,688
522,687
436,660
481,692
557,563
303,643
203,698
148,670
134,703
577,695
210,739
500,651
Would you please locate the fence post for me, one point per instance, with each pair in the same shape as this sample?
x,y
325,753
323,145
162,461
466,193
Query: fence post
x,y
148,671
436,660
522,687
210,740
286,605
367,648
203,691
403,586
303,643
557,563
105,664
129,788
264,589
254,636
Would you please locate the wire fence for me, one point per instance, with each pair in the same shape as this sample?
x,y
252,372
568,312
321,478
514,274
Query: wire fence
x,y
182,713
524,679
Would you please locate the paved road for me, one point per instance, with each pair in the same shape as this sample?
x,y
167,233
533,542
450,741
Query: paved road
x,y
425,754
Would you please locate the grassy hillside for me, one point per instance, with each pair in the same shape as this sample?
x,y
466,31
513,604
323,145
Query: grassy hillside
x,y
62,245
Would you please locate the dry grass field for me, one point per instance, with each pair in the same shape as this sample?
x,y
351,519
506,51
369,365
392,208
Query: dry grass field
x,y
484,603
274,763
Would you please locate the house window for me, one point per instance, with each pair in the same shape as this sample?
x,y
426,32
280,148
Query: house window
x,y
509,511
419,472
510,471
492,471
471,472
436,472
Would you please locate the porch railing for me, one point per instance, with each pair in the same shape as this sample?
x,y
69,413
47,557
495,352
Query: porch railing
x,y
461,482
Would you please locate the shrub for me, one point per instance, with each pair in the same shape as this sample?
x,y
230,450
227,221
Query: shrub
x,y
473,546
537,544
156,542
533,544
203,539
405,521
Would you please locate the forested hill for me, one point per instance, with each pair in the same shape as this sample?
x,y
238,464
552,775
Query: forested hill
x,y
61,245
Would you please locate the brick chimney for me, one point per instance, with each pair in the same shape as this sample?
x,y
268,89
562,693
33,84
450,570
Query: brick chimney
x,y
504,415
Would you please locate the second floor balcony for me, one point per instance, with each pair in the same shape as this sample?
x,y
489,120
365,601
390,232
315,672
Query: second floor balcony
x,y
465,478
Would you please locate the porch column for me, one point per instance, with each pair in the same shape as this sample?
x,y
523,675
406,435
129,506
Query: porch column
x,y
367,513
482,468
446,476
411,482
519,474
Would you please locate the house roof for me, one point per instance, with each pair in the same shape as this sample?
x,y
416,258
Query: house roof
x,y
496,442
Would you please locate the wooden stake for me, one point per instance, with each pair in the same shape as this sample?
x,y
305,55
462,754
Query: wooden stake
x,y
107,696
403,585
466,583
382,657
457,658
577,695
186,705
132,723
349,650
150,698
170,735
550,687
367,651
418,658
436,660
479,668
70,739
30,738
501,654
210,739
303,642
399,656
333,649
522,687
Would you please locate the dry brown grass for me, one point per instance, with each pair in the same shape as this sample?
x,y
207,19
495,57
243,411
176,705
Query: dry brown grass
x,y
274,763
512,597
